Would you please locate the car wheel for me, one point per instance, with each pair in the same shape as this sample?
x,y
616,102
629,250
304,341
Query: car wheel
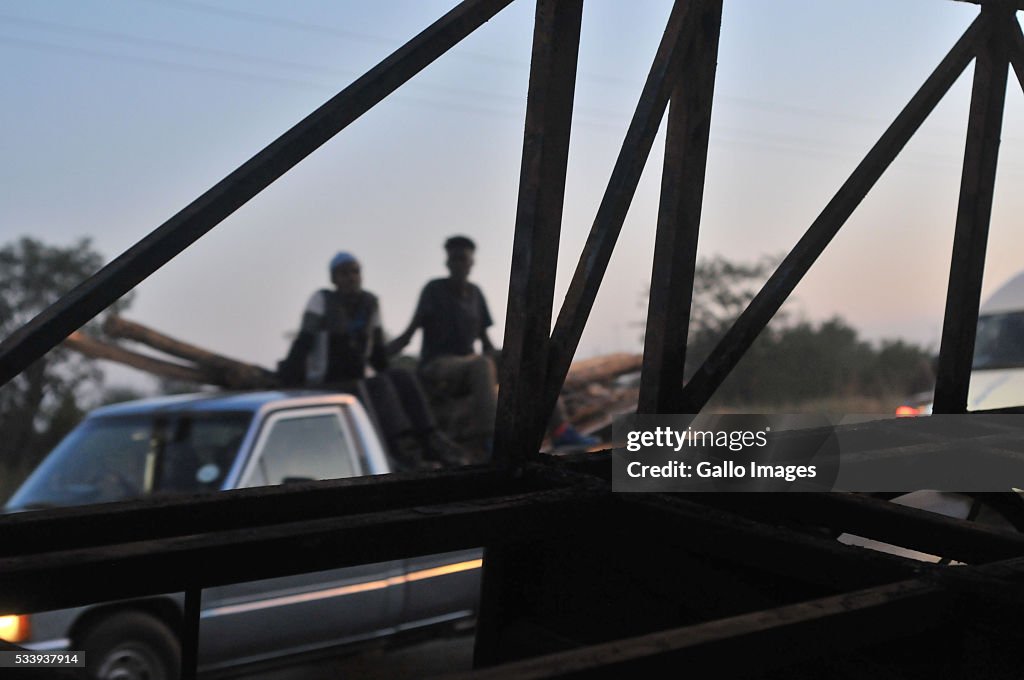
x,y
131,646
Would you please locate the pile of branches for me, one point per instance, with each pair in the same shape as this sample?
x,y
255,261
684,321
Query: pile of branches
x,y
598,389
593,391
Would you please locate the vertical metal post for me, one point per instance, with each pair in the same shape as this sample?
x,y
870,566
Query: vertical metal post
x,y
190,634
977,184
520,420
636,147
531,292
682,196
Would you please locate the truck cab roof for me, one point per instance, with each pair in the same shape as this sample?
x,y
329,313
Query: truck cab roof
x,y
207,402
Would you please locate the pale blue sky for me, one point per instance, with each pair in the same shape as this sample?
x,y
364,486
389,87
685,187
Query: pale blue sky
x,y
119,112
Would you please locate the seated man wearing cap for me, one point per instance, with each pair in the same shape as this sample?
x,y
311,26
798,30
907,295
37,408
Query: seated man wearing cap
x,y
339,337
340,332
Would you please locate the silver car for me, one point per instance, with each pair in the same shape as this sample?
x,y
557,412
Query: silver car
x,y
201,442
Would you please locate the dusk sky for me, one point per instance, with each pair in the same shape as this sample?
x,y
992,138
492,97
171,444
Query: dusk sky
x,y
118,113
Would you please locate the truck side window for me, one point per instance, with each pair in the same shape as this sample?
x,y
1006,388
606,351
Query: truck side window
x,y
306,447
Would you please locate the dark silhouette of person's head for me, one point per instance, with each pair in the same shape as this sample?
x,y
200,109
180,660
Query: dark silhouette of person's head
x,y
346,274
460,251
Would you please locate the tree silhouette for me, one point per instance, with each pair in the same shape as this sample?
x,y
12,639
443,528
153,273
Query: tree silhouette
x,y
39,406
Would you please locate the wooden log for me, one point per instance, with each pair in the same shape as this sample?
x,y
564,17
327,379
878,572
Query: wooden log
x,y
97,349
581,373
229,372
618,401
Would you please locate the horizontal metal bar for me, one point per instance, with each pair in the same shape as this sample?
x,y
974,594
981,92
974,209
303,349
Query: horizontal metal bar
x,y
790,554
77,577
754,642
211,557
730,536
118,277
151,518
880,520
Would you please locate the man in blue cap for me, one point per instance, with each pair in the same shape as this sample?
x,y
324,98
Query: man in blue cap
x,y
339,337
340,333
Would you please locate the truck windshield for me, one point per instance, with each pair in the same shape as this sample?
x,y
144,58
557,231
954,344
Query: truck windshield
x,y
117,458
1000,341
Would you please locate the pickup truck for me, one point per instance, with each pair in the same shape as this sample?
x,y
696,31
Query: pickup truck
x,y
205,442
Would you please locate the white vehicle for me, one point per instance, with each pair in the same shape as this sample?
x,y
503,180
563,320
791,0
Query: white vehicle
x,y
997,375
203,442
997,381
997,372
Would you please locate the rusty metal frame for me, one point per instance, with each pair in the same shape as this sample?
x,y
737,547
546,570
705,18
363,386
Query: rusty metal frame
x,y
749,644
727,353
59,558
682,197
682,30
550,503
531,288
977,186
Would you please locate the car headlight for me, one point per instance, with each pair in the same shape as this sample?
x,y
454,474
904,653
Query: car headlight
x,y
14,628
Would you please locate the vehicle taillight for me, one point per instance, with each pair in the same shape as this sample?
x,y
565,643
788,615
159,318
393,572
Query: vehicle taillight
x,y
14,628
904,411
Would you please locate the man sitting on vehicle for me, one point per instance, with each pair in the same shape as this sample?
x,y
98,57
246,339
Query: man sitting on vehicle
x,y
340,333
453,315
339,338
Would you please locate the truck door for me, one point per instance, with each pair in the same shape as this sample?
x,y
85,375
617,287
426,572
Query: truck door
x,y
293,613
